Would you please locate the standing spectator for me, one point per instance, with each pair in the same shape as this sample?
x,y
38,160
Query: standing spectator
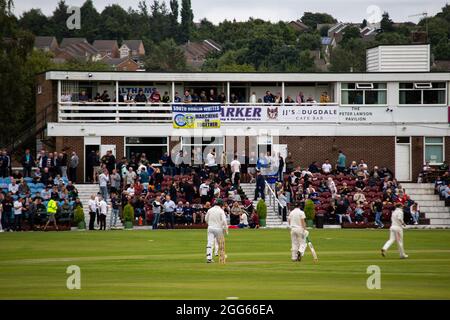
x,y
103,181
235,170
156,206
289,163
169,208
177,97
52,208
92,205
253,99
341,162
115,180
8,214
18,207
332,187
204,191
188,212
282,206
300,98
324,98
260,186
130,177
269,98
115,205
27,163
103,211
5,164
73,165
280,167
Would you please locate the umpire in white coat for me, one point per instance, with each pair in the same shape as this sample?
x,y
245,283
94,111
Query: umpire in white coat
x,y
217,225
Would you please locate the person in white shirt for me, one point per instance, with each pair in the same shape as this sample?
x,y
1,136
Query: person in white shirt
x,y
243,220
332,187
211,159
217,223
326,167
13,187
235,170
103,211
130,191
296,222
92,205
396,232
18,206
203,191
103,180
253,99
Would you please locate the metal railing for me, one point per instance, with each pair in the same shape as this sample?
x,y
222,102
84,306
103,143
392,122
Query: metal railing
x,y
273,199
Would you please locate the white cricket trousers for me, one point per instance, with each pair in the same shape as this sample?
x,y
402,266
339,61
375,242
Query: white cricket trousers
x,y
214,234
396,234
297,239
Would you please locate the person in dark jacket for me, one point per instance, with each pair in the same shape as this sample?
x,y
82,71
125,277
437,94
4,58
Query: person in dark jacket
x,y
280,167
260,186
27,163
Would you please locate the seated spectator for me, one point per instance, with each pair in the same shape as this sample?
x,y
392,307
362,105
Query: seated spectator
x,y
187,98
323,186
388,197
344,189
199,212
179,214
324,98
23,188
83,97
13,187
342,211
360,183
165,98
129,98
314,167
243,220
289,100
235,213
155,97
415,213
353,168
327,167
222,98
359,214
444,166
254,220
359,197
177,97
188,212
300,98
105,96
140,97
269,98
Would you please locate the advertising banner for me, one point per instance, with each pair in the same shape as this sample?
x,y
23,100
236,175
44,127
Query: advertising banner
x,y
195,116
313,114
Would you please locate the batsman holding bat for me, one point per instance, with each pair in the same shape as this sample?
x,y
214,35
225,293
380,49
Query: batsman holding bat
x,y
217,225
307,242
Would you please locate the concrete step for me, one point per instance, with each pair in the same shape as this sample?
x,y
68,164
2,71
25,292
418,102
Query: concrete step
x,y
421,197
428,209
414,192
417,185
440,221
431,203
437,215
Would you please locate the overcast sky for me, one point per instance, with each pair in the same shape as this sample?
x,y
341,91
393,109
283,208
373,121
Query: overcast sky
x,y
274,10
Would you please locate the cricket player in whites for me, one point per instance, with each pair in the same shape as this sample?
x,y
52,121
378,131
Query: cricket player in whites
x,y
396,232
296,222
217,225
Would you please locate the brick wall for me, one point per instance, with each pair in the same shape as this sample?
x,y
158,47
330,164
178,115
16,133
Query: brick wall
x,y
417,156
374,150
46,108
118,141
71,144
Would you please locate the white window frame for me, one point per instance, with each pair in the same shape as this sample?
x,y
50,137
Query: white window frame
x,y
359,87
425,144
421,90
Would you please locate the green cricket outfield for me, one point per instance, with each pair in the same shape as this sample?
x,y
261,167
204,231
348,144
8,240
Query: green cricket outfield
x,y
171,265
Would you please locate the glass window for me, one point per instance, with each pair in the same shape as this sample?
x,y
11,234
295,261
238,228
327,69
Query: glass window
x,y
434,150
434,94
375,96
146,140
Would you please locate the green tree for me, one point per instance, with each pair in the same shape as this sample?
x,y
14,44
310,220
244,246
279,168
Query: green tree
x,y
174,13
350,32
58,21
386,23
442,50
313,19
166,56
114,23
309,41
187,21
349,58
90,22
35,22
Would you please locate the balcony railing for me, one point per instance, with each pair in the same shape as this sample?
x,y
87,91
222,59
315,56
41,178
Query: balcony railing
x,y
310,112
122,112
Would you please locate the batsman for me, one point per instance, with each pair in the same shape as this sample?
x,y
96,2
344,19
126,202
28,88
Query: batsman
x,y
217,226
